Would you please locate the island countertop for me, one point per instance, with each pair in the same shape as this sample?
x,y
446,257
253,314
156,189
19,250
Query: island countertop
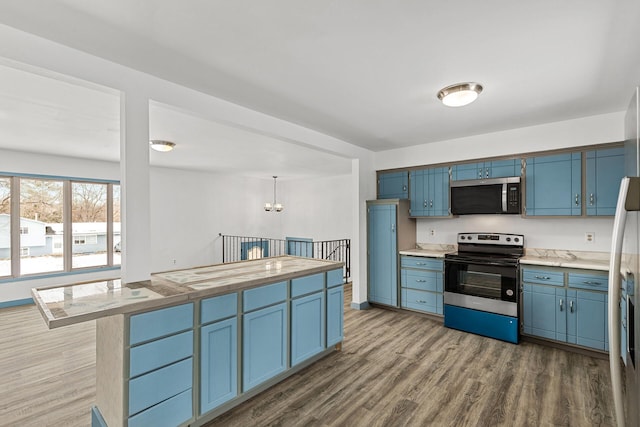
x,y
69,304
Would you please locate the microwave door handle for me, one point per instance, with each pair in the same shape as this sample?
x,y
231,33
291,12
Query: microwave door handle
x,y
504,197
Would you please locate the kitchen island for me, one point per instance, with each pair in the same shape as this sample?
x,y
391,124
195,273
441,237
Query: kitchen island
x,y
188,345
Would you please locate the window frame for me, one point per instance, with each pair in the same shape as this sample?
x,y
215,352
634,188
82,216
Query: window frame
x,y
68,237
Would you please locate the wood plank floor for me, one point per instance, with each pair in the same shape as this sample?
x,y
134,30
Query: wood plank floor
x,y
396,369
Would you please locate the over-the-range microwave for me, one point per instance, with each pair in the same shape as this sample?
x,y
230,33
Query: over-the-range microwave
x,y
486,196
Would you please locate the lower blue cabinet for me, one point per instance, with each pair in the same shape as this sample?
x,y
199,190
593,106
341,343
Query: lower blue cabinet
x,y
335,315
264,345
218,363
307,327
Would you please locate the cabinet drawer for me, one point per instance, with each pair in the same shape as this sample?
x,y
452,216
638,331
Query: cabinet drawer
x,y
420,279
429,302
218,308
156,386
158,323
544,277
421,262
171,412
595,282
264,296
335,278
307,284
155,354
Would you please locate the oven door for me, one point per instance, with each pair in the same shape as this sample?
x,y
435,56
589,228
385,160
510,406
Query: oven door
x,y
484,279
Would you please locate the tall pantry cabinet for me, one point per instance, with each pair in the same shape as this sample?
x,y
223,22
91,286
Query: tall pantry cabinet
x,y
389,229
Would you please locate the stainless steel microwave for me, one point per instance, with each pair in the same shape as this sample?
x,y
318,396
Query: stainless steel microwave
x,y
486,196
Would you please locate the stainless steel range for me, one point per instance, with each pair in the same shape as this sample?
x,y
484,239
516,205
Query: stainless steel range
x,y
482,285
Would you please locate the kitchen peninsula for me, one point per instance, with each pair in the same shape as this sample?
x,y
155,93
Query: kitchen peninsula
x,y
186,346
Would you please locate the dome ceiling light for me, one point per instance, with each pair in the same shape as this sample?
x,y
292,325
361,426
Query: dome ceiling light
x,y
459,94
160,145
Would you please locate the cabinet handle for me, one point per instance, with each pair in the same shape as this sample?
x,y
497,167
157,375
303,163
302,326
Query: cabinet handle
x,y
480,173
393,228
543,277
571,306
577,199
561,305
421,263
591,199
430,203
424,204
404,188
486,173
591,283
419,301
420,280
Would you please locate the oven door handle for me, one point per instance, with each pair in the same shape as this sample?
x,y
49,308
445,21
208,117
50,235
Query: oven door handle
x,y
467,262
504,197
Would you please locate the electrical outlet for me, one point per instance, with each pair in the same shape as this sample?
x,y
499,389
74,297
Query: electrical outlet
x,y
589,237
432,232
174,262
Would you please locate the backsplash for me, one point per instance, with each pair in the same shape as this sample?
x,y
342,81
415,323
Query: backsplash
x,y
548,233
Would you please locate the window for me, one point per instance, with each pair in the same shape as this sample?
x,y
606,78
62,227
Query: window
x,y
45,209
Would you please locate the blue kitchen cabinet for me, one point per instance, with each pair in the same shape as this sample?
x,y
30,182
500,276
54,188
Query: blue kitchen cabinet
x,y
430,192
393,185
542,311
388,226
335,315
554,185
587,313
307,327
160,360
604,171
487,169
264,343
218,363
382,250
421,284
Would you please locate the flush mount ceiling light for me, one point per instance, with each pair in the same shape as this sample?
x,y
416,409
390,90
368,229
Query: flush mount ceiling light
x,y
459,94
273,207
160,145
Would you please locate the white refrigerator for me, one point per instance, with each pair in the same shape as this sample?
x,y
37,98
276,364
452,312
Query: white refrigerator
x,y
625,263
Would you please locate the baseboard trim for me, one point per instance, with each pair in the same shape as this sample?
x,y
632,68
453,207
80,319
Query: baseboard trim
x,y
360,305
14,303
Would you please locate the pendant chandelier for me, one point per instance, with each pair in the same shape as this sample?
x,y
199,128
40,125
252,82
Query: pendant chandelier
x,y
273,207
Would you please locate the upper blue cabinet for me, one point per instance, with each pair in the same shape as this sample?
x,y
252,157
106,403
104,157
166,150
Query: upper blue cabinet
x,y
430,192
487,169
604,171
393,185
554,185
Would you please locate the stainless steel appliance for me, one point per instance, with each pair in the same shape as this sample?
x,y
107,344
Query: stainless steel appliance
x,y
625,256
486,196
482,285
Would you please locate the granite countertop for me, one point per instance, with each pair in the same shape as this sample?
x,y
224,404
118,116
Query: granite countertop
x,y
430,250
571,259
66,305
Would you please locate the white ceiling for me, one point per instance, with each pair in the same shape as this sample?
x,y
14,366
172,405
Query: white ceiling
x,y
360,70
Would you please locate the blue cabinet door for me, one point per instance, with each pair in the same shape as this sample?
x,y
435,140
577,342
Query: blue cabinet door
x,y
467,171
502,168
307,327
605,169
382,247
439,186
218,364
393,185
554,185
543,314
335,315
264,343
417,193
589,315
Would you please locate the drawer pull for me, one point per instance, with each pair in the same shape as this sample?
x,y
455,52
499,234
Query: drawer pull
x,y
543,277
420,301
420,280
591,283
561,305
421,263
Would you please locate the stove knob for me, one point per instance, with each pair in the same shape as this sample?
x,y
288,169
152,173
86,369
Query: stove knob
x,y
462,237
516,239
508,239
469,237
